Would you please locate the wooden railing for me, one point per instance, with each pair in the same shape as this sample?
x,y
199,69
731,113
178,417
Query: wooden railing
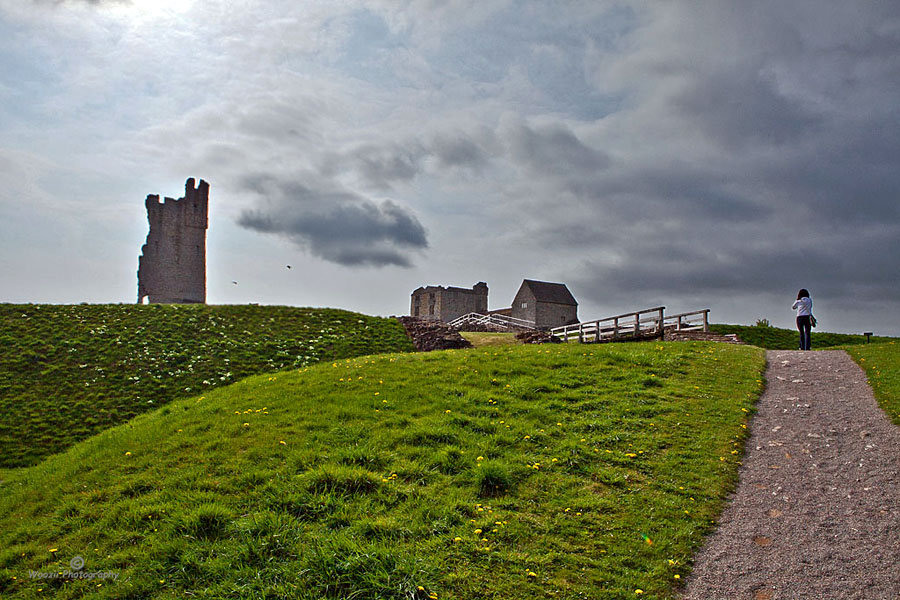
x,y
643,324
689,321
495,320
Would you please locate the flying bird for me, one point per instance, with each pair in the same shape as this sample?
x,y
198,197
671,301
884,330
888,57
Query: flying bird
x,y
234,282
288,266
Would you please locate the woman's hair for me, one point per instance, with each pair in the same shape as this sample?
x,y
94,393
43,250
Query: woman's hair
x,y
802,294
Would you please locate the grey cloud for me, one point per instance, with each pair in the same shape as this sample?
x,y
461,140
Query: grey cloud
x,y
459,151
338,226
676,189
380,166
386,164
737,109
552,149
92,2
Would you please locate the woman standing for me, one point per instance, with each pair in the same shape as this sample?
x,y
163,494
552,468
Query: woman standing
x,y
803,306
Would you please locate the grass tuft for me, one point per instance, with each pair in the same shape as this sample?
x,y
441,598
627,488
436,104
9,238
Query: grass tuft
x,y
341,480
207,521
493,479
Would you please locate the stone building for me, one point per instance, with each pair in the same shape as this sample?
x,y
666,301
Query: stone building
x,y
172,265
437,303
545,304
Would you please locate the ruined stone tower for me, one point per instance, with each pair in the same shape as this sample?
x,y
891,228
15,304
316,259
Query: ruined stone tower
x,y
172,265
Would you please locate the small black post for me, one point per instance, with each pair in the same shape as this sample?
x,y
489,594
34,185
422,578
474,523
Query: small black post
x,y
868,335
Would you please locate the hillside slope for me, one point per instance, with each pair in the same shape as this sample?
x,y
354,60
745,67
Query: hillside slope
x,y
776,338
558,471
67,372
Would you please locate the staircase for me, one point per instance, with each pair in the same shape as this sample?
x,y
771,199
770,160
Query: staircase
x,y
500,322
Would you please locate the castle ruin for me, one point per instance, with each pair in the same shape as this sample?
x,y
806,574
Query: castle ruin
x,y
538,304
172,265
437,303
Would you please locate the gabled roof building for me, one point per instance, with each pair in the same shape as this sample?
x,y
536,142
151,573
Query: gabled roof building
x,y
545,304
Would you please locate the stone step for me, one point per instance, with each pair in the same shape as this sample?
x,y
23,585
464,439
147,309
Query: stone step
x,y
702,336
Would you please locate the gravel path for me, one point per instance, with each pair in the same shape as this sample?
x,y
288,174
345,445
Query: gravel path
x,y
816,514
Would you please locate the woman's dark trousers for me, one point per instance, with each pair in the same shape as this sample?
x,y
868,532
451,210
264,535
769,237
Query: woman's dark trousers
x,y
805,327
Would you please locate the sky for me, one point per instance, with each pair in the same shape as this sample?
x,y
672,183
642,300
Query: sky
x,y
690,154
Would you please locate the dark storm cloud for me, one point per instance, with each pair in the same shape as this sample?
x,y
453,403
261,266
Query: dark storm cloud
x,y
751,162
849,177
653,264
338,226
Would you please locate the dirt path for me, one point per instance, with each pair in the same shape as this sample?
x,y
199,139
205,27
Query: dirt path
x,y
817,511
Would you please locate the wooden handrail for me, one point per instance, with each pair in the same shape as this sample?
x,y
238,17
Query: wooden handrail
x,y
633,327
679,318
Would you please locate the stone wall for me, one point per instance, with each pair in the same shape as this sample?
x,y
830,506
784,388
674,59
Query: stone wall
x,y
554,315
172,265
524,305
437,303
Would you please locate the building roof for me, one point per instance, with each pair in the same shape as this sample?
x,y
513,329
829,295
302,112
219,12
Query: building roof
x,y
555,293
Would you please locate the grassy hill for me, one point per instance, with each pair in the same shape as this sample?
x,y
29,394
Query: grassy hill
x,y
68,372
560,471
775,338
881,363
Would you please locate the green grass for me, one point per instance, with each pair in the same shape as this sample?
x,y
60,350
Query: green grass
x,y
68,372
560,472
882,365
775,338
488,338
